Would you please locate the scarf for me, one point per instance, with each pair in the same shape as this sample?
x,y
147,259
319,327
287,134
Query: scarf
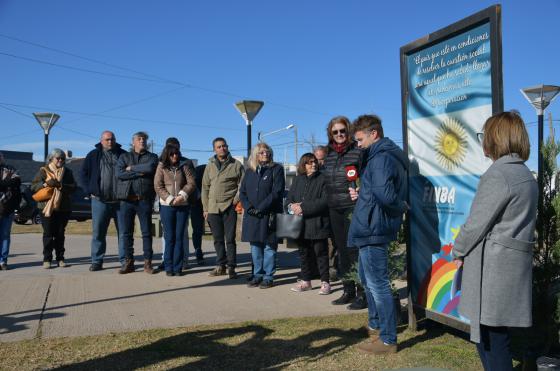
x,y
56,173
339,148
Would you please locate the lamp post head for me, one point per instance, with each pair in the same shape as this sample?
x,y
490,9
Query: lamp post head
x,y
540,96
290,126
46,120
249,109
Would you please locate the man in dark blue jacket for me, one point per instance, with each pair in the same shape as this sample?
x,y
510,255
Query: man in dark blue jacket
x,y
98,177
375,223
136,170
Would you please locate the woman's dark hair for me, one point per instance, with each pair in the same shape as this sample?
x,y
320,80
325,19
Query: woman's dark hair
x,y
168,150
304,160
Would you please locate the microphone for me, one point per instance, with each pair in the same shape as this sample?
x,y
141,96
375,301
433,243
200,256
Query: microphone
x,y
351,175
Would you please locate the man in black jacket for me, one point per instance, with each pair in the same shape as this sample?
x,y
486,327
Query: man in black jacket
x,y
135,189
98,177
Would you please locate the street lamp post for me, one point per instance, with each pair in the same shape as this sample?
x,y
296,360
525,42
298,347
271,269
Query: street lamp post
x,y
249,110
540,97
46,120
291,126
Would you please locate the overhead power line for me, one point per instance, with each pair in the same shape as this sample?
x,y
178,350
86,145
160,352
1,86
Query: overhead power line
x,y
147,76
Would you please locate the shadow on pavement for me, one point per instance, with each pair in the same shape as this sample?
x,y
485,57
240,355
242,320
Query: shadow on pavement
x,y
207,350
10,324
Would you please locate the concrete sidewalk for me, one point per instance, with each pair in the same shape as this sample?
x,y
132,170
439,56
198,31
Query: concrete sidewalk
x,y
73,301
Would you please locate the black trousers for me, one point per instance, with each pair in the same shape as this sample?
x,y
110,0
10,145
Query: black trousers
x,y
493,348
340,224
54,228
314,253
223,226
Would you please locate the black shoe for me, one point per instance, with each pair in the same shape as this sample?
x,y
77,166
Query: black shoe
x,y
253,283
169,274
200,261
359,303
95,267
266,284
346,298
231,273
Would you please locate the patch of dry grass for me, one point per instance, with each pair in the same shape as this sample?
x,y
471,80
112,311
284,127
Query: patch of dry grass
x,y
322,343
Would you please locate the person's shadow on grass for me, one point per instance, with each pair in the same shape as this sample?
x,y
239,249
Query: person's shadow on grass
x,y
240,348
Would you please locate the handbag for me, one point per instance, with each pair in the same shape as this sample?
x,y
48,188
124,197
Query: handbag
x,y
44,194
289,226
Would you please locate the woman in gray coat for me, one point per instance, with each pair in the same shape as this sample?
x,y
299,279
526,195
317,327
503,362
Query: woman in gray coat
x,y
495,245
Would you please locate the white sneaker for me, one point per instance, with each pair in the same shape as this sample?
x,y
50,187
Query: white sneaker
x,y
325,288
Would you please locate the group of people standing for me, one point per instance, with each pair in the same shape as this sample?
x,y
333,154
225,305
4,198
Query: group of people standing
x,y
359,219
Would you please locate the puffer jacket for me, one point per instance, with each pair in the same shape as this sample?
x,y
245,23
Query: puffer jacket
x,y
381,203
335,175
312,193
170,182
139,178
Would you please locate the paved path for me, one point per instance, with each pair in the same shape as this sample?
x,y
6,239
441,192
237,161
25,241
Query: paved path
x,y
74,302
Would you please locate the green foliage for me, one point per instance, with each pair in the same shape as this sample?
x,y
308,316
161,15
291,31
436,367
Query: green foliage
x,y
546,260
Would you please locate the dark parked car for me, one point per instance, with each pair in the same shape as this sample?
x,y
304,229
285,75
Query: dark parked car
x,y
81,207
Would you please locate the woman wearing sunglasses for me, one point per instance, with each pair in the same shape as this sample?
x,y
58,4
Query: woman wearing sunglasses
x,y
55,212
173,183
342,155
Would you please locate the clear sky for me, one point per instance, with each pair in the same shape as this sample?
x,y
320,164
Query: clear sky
x,y
176,67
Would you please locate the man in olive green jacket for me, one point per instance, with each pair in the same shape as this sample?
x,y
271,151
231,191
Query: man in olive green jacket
x,y
220,194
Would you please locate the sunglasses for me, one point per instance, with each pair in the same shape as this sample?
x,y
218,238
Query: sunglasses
x,y
59,158
311,163
337,132
480,137
173,154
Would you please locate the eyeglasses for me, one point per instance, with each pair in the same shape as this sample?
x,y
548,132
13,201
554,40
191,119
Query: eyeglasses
x,y
337,132
264,153
480,137
59,159
173,154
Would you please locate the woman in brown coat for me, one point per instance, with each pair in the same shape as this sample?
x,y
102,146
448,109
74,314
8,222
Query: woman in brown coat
x,y
173,183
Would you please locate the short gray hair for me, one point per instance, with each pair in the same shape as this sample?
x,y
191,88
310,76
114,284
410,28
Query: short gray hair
x,y
141,134
56,152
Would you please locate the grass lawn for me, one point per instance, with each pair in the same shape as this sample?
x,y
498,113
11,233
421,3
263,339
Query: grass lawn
x,y
322,343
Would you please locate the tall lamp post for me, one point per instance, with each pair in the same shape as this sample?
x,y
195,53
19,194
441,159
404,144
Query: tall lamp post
x,y
291,126
249,110
46,120
540,97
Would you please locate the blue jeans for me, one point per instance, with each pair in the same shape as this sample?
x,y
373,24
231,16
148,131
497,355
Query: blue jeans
x,y
101,215
129,209
494,348
381,311
5,231
174,220
185,238
264,260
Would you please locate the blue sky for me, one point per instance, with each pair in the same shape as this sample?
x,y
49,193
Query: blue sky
x,y
175,68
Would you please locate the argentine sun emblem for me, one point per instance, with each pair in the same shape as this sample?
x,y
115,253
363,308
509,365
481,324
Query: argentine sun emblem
x,y
450,143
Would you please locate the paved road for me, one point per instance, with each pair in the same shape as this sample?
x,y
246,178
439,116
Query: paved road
x,y
72,301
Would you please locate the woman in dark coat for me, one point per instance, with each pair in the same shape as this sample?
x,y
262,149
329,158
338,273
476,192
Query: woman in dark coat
x,y
342,154
10,196
56,211
261,195
308,197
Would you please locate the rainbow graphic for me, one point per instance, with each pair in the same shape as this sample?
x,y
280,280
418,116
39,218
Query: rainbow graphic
x,y
441,287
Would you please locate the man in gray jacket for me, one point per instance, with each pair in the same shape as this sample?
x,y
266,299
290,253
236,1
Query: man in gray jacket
x,y
220,194
136,170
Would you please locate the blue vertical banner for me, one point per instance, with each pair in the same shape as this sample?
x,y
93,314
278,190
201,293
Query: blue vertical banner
x,y
448,95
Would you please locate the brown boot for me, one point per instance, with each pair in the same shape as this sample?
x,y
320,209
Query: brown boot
x,y
373,334
148,267
127,267
376,347
218,271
